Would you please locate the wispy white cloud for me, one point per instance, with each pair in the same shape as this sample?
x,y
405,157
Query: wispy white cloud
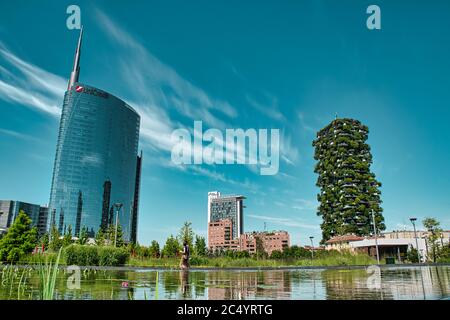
x,y
159,84
303,204
287,222
29,85
272,110
18,135
159,90
303,124
288,150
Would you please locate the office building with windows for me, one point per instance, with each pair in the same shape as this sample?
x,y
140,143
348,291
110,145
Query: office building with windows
x,y
9,209
97,163
227,207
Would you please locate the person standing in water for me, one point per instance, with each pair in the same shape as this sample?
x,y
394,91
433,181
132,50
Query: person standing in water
x,y
184,263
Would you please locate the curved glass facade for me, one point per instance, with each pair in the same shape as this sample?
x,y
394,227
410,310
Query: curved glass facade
x,y
95,163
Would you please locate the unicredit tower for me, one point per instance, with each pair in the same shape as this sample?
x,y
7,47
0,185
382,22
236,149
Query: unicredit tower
x,y
96,175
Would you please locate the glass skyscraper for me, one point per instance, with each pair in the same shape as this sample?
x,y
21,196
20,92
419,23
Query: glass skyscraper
x,y
97,163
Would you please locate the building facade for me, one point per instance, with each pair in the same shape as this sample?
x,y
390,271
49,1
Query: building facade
x,y
270,241
96,160
227,207
219,238
9,209
220,235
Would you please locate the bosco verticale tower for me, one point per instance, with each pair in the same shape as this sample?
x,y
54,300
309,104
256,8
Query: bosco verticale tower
x,y
349,192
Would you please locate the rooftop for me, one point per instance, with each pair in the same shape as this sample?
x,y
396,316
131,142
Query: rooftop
x,y
345,238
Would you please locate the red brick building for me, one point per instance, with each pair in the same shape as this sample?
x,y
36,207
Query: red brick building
x,y
271,241
220,237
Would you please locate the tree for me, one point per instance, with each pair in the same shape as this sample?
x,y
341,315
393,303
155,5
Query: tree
x,y
260,252
110,235
412,255
100,237
276,254
171,248
84,236
44,241
19,240
67,239
349,191
186,234
200,246
55,239
154,250
434,234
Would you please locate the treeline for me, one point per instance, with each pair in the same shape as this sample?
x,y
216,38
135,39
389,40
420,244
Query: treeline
x,y
173,245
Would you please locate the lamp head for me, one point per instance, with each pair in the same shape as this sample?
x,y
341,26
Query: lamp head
x,y
413,219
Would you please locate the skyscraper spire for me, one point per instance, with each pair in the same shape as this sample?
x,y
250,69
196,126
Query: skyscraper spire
x,y
76,63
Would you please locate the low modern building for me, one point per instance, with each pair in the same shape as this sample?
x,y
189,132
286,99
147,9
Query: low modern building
x,y
393,244
409,234
341,243
387,247
9,209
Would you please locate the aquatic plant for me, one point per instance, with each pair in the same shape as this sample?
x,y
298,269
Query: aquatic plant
x,y
47,278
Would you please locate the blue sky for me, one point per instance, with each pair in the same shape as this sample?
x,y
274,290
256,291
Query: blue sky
x,y
290,65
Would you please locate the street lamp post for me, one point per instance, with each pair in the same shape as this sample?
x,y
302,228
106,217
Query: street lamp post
x,y
118,206
312,247
376,238
413,221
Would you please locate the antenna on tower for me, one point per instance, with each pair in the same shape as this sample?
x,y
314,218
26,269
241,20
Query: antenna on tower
x,y
335,116
76,63
265,225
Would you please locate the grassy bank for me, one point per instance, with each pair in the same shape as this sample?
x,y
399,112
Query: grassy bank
x,y
227,262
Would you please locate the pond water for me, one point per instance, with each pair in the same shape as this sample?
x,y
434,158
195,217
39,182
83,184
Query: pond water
x,y
426,282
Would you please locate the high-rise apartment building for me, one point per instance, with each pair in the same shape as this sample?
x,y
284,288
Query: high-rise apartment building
x,y
227,207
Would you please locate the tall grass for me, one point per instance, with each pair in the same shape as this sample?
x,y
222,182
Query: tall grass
x,y
15,280
47,278
341,259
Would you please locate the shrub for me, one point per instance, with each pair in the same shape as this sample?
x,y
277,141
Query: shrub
x,y
81,255
276,254
198,261
110,256
95,256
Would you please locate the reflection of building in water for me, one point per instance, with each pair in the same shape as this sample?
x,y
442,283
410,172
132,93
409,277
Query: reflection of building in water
x,y
418,283
395,283
349,285
249,285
